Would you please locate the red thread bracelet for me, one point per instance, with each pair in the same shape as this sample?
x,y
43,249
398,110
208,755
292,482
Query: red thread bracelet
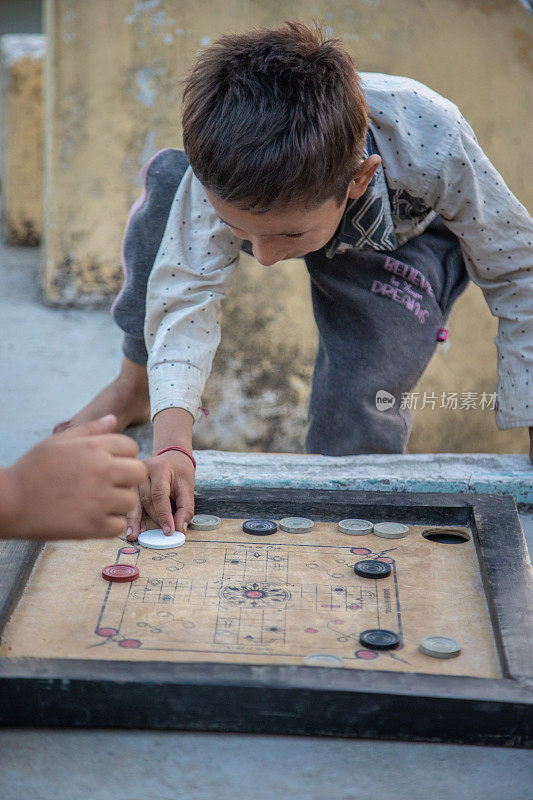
x,y
180,450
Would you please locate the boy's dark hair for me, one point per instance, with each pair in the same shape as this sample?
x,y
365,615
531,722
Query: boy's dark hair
x,y
274,117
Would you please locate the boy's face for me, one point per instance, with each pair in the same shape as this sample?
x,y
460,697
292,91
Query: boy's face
x,y
292,232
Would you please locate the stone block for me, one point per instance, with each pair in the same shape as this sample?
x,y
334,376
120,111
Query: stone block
x,y
21,71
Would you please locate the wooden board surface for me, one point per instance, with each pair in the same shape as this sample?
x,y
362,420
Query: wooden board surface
x,y
229,597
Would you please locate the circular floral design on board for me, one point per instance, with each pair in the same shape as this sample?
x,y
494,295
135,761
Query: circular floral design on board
x,y
254,594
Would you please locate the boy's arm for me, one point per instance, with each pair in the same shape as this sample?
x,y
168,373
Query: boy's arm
x,y
186,286
496,235
170,476
182,332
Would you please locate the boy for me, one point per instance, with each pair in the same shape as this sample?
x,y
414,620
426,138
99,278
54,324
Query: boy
x,y
380,185
72,486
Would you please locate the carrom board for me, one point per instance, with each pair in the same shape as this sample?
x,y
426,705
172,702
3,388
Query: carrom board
x,y
261,633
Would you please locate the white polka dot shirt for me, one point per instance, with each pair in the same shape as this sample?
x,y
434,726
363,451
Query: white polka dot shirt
x,y
430,156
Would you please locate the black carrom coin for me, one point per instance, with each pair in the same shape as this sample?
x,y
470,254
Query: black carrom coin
x,y
259,527
379,639
372,569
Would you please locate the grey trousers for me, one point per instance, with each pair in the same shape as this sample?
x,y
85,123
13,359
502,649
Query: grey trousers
x,y
377,315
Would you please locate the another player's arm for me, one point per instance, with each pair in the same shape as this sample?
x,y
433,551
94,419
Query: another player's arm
x,y
10,504
73,485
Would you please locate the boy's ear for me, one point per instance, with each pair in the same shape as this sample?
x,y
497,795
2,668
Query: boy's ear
x,y
363,176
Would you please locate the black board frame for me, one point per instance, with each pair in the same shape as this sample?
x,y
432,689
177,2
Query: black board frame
x,y
298,699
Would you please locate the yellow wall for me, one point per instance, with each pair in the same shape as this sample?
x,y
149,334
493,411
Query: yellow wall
x,y
112,101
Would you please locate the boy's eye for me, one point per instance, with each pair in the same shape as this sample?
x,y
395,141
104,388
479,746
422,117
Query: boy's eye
x,y
231,227
238,231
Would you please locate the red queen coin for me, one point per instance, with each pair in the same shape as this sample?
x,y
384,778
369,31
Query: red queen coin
x,y
120,573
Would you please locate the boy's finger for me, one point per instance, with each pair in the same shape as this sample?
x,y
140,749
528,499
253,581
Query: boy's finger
x,y
184,513
134,520
144,525
162,507
145,494
95,427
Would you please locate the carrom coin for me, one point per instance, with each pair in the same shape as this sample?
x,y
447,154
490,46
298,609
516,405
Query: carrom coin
x,y
157,540
323,660
296,524
379,639
120,573
205,522
391,530
440,647
355,527
372,569
259,527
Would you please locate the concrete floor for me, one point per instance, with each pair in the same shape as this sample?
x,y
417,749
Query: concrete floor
x,y
97,765
52,362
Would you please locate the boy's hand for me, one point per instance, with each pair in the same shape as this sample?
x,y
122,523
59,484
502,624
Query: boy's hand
x,y
170,477
531,445
73,485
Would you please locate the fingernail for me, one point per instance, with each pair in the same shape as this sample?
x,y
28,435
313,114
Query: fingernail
x,y
128,531
185,526
107,418
166,529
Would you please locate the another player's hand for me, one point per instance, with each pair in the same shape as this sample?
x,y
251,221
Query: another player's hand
x,y
170,477
75,484
531,445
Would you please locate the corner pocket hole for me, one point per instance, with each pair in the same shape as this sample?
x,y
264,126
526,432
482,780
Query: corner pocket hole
x,y
446,535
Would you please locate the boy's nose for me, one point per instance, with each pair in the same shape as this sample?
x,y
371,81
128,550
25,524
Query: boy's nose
x,y
265,254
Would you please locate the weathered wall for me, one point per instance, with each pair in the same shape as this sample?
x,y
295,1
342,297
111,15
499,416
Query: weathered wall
x,y
113,92
21,63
